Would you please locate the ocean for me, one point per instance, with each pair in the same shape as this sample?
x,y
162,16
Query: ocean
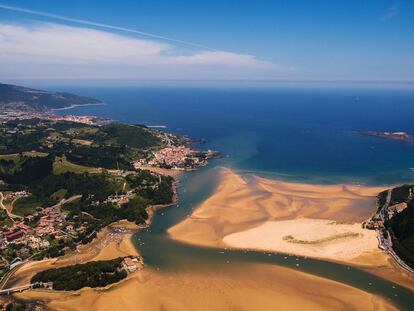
x,y
295,133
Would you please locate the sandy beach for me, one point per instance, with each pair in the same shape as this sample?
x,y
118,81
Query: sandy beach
x,y
239,287
254,288
321,221
107,245
243,212
318,238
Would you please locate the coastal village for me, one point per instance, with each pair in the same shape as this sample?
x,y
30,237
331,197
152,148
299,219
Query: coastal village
x,y
49,231
176,158
9,115
26,236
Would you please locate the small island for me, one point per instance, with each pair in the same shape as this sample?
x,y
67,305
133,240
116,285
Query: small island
x,y
400,136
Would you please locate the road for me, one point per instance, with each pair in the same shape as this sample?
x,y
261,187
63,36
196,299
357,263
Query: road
x,y
8,291
11,215
8,275
387,243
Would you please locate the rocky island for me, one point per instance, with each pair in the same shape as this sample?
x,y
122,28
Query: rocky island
x,y
400,136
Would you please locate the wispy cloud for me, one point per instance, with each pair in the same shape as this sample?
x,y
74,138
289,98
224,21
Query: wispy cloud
x,y
100,25
392,12
47,49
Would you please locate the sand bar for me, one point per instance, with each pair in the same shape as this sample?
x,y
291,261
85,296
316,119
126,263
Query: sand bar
x,y
258,213
318,238
239,287
233,287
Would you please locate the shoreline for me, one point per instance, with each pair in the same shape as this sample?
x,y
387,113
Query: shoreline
x,y
75,106
152,290
100,252
324,220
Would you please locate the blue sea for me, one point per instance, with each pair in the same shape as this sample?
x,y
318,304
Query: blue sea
x,y
295,133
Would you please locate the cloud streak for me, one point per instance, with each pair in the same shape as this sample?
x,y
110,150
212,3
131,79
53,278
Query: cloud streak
x,y
101,25
48,50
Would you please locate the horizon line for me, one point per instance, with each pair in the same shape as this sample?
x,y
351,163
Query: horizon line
x,y
218,80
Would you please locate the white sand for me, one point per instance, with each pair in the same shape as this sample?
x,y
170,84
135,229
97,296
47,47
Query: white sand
x,y
308,237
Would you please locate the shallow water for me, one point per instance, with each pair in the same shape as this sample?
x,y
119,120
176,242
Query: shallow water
x,y
302,134
164,254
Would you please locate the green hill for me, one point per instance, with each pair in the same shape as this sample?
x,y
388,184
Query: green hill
x,y
13,97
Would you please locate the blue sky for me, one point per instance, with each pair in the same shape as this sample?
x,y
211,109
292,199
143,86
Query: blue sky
x,y
247,40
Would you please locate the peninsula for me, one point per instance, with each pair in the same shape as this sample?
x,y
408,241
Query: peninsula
x,y
19,98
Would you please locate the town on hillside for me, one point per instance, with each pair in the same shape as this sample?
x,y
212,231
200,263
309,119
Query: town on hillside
x,y
64,178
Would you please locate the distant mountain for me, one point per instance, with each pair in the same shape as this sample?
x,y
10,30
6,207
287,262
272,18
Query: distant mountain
x,y
13,97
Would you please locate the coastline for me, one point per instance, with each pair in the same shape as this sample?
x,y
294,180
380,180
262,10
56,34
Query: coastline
x,y
153,290
322,222
74,106
107,245
252,289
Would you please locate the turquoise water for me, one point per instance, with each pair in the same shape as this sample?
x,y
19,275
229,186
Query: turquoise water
x,y
295,134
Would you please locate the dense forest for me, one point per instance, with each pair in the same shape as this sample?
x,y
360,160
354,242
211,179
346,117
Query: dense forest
x,y
401,225
91,274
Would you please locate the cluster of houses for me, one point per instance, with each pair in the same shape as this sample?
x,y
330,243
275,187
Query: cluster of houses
x,y
396,209
377,221
175,157
6,116
49,221
11,196
120,199
132,264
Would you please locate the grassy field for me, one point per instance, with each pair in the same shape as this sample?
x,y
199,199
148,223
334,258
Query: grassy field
x,y
35,154
15,157
58,195
82,142
61,166
25,206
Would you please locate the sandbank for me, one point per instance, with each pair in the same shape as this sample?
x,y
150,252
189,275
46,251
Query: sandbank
x,y
258,213
238,287
240,204
307,237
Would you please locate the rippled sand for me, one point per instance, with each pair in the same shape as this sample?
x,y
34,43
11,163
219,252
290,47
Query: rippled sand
x,y
239,287
259,213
